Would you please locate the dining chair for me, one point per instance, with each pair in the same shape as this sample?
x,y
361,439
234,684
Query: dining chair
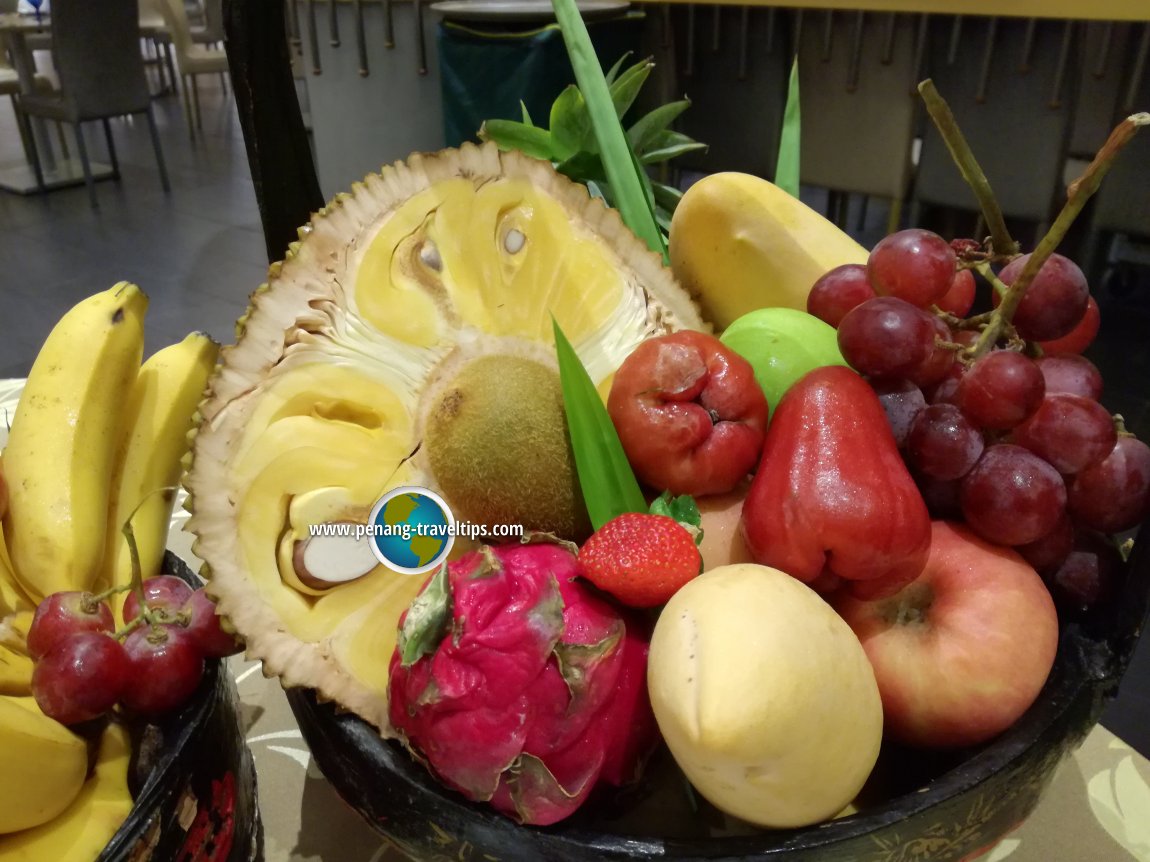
x,y
192,60
154,32
95,46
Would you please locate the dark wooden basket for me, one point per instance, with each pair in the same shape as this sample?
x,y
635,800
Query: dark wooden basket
x,y
193,779
950,806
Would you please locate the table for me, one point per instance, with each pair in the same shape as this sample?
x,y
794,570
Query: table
x,y
58,173
1096,810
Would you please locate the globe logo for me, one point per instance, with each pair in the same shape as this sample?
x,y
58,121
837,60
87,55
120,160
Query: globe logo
x,y
412,530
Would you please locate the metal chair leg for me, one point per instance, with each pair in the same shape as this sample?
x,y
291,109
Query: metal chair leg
x,y
111,148
82,149
25,137
187,99
33,153
196,100
159,152
169,53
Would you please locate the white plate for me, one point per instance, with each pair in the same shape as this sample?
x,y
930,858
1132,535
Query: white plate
x,y
524,11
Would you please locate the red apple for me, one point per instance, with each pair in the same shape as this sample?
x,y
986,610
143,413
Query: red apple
x,y
961,652
689,413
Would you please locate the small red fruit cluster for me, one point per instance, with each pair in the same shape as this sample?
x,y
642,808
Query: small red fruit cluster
x,y
1004,431
84,667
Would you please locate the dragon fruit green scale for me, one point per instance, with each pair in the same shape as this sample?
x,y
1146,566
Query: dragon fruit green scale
x,y
520,687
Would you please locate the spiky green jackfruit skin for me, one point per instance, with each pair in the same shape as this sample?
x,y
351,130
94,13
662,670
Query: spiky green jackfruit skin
x,y
315,410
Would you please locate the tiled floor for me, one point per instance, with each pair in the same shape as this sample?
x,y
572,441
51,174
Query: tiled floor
x,y
198,252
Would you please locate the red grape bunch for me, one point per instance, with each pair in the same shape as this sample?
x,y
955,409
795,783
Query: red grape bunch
x,y
1008,435
84,667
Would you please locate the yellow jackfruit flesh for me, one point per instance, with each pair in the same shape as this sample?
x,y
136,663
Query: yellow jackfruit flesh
x,y
317,410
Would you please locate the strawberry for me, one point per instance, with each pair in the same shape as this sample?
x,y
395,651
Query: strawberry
x,y
640,559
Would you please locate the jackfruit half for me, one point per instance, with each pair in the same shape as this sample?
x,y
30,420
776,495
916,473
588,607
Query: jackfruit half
x,y
319,407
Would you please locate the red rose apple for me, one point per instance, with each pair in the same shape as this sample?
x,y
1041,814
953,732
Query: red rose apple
x,y
689,413
962,652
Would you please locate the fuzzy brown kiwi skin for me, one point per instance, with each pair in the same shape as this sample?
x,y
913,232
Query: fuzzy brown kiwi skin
x,y
495,440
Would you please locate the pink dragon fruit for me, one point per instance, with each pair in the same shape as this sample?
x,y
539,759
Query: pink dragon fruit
x,y
518,685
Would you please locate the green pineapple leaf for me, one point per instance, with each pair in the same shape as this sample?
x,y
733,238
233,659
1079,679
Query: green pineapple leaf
x,y
510,135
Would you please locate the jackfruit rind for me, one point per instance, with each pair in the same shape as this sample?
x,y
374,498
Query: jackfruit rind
x,y
312,414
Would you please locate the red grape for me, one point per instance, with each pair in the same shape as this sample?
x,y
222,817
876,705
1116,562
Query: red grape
x,y
1054,303
915,265
1069,431
1011,496
1048,552
960,296
902,401
1071,374
838,292
205,629
1000,390
62,615
1088,576
942,442
163,592
887,338
946,390
940,496
166,668
1114,494
81,678
1080,337
935,367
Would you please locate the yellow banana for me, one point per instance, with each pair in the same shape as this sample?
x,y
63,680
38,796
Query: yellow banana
x,y
739,242
86,826
42,766
15,617
65,435
164,398
15,672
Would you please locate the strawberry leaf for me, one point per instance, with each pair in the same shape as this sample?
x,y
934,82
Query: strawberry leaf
x,y
683,509
608,483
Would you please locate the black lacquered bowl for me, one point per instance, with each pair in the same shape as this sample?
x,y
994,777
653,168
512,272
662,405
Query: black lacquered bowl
x,y
937,807
193,779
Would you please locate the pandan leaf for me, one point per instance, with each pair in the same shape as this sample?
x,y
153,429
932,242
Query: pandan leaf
x,y
510,135
570,125
642,134
787,167
668,144
427,620
622,175
683,509
527,121
626,88
609,486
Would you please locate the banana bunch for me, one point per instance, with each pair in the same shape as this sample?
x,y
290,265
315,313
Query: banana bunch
x,y
42,765
96,439
85,813
739,243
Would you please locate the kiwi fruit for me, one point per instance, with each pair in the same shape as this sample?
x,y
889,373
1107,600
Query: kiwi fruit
x,y
495,440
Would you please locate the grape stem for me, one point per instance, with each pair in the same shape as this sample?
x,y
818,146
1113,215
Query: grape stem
x,y
1077,194
1002,244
